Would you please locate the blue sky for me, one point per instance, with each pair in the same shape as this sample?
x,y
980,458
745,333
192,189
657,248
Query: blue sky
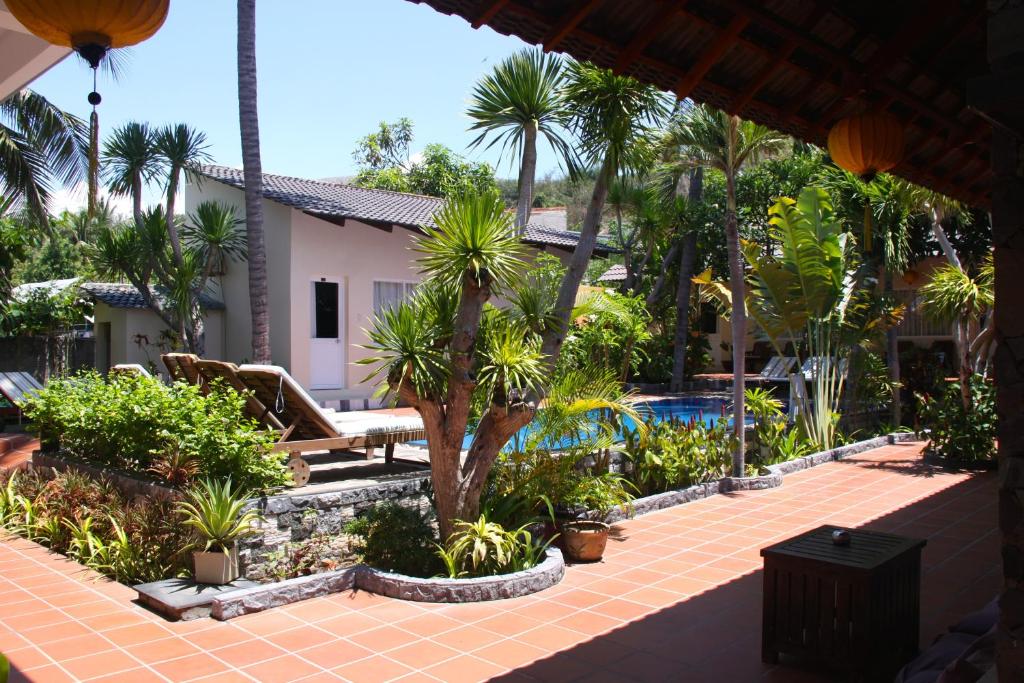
x,y
329,71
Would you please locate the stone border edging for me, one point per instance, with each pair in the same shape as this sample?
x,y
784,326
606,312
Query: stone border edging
x,y
129,483
660,501
515,585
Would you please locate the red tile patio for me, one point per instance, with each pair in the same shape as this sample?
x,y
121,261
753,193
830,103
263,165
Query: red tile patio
x,y
677,598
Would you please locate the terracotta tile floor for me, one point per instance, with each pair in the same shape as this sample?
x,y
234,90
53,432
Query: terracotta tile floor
x,y
15,449
677,598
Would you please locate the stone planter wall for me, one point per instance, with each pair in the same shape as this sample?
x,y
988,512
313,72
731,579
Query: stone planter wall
x,y
129,483
293,517
259,598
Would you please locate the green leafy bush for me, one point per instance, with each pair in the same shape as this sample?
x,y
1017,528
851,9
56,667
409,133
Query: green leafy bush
x,y
93,523
484,548
958,433
675,454
138,423
396,539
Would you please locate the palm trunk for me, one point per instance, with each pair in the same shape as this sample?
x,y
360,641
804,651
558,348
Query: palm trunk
x,y
249,126
892,357
566,299
172,229
739,322
527,171
687,260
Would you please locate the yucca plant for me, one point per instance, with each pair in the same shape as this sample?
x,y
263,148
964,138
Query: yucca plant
x,y
485,548
217,513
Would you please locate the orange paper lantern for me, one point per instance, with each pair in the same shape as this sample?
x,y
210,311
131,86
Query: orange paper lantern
x,y
80,24
866,144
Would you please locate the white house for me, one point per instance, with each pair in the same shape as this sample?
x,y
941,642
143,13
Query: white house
x,y
335,254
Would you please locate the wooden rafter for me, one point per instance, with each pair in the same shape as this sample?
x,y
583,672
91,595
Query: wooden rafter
x,y
722,42
643,37
568,22
743,98
488,12
903,39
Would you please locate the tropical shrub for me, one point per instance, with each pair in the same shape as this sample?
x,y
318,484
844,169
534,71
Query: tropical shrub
x,y
93,523
958,434
396,539
609,330
216,513
774,440
484,548
674,454
140,424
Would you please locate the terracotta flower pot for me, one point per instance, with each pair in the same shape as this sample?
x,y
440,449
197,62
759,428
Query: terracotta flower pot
x,y
584,540
216,567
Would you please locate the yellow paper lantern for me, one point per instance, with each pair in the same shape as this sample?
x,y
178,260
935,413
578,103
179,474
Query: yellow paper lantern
x,y
91,27
867,144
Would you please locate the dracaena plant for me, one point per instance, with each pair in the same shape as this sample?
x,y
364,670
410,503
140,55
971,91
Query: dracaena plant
x,y
217,513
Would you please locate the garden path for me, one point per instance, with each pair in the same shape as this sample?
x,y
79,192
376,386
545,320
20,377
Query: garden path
x,y
678,597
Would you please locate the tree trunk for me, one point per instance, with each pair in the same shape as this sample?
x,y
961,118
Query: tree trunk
x,y
172,228
739,323
686,263
527,171
566,299
943,240
249,126
687,259
659,282
892,359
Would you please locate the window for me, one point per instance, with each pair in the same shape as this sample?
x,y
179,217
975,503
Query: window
x,y
325,310
390,294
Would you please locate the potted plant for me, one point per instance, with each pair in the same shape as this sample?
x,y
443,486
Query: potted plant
x,y
217,514
584,533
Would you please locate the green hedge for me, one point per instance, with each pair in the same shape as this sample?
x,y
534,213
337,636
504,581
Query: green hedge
x,y
136,423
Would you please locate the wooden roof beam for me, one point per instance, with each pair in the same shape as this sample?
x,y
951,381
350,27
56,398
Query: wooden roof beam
x,y
488,12
568,22
643,37
781,57
722,42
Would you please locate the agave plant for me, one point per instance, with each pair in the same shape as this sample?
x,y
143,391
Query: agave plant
x,y
217,513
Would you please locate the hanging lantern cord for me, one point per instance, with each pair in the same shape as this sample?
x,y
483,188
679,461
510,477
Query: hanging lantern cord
x,y
94,144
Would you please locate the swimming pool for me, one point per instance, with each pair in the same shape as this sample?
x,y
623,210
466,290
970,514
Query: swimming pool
x,y
706,408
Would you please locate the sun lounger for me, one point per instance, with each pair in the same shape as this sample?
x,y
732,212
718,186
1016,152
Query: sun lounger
x,y
16,387
181,367
307,427
210,370
129,369
815,364
778,369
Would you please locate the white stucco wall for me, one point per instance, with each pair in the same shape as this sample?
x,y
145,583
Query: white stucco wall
x,y
135,335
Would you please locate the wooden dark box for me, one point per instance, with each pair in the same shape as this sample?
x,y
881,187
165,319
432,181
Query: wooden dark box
x,y
856,607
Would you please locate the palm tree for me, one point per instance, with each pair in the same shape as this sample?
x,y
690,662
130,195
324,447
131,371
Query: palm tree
x,y
719,140
180,148
442,354
39,145
130,160
611,117
520,99
252,167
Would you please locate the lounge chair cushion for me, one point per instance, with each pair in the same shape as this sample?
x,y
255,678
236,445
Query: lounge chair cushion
x,y
378,426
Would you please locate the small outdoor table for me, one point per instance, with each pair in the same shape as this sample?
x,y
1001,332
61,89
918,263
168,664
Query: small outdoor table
x,y
856,606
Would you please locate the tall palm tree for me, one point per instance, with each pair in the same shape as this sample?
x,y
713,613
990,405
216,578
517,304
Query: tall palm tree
x,y
611,116
130,160
517,101
39,145
181,149
252,167
719,140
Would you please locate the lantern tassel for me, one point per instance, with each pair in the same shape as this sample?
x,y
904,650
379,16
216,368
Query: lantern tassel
x,y
94,161
867,227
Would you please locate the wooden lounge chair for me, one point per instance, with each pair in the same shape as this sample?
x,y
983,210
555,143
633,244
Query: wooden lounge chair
x,y
778,369
181,367
16,387
307,427
129,369
210,370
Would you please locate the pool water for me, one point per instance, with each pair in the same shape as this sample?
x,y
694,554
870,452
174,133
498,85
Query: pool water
x,y
708,409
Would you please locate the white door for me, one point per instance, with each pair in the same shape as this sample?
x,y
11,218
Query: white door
x,y
327,346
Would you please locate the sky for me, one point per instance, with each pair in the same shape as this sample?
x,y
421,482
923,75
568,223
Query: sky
x,y
329,71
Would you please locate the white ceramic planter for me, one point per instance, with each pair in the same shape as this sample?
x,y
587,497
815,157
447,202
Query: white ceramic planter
x,y
216,567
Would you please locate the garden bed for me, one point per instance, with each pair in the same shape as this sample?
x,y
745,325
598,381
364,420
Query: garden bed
x,y
666,499
360,577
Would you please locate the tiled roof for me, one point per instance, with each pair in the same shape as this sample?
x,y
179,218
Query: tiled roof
x,y
327,199
121,295
616,273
